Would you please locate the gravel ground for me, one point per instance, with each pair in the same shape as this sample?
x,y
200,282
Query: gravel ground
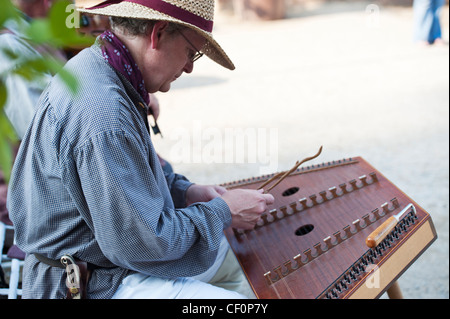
x,y
330,74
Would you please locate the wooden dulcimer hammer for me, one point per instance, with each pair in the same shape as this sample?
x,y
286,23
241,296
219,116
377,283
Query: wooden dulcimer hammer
x,y
384,229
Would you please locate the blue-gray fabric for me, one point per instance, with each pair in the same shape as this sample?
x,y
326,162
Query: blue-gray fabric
x,y
87,182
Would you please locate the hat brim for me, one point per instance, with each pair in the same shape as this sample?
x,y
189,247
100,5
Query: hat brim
x,y
212,49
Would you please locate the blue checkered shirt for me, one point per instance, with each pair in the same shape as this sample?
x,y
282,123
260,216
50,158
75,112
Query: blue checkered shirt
x,y
87,182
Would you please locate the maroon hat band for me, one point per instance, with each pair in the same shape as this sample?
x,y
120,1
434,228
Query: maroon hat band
x,y
166,8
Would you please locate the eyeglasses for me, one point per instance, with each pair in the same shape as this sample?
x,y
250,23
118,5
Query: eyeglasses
x,y
198,54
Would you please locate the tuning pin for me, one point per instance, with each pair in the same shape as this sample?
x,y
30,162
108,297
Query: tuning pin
x,y
299,261
259,223
357,224
318,249
264,218
268,276
274,214
308,255
366,219
294,208
314,199
395,203
333,191
283,210
374,177
343,187
289,269
323,194
328,242
348,232
338,238
278,272
303,201
385,208
363,180
353,183
376,214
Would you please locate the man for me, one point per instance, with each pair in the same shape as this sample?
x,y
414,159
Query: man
x,y
87,181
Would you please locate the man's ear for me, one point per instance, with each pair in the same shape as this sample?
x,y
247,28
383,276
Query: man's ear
x,y
157,32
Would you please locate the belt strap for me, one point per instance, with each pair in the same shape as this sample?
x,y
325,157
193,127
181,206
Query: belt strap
x,y
48,261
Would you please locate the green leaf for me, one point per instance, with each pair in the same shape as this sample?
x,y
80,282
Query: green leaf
x,y
6,129
3,94
8,11
11,55
31,69
54,66
6,159
57,18
8,138
39,31
63,27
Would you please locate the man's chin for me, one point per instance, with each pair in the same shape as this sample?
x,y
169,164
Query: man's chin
x,y
165,88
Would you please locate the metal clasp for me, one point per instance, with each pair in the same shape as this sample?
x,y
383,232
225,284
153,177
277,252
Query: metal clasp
x,y
73,276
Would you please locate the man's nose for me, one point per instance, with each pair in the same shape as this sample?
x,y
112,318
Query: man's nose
x,y
189,66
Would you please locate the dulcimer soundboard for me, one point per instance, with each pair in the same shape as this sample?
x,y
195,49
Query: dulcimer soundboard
x,y
311,243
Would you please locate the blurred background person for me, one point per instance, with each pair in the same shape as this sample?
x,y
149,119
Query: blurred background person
x,y
23,94
427,26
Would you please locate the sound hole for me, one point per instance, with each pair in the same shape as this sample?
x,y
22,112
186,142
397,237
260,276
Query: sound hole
x,y
290,191
303,230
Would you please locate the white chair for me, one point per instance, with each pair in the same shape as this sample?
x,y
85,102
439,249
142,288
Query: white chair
x,y
14,265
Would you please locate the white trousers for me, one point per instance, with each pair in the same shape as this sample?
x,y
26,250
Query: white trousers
x,y
223,280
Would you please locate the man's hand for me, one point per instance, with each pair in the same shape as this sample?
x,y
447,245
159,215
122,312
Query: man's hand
x,y
246,206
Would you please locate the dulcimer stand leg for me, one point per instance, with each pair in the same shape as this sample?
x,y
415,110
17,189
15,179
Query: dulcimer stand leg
x,y
394,291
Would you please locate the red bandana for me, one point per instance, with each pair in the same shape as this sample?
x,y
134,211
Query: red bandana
x,y
118,56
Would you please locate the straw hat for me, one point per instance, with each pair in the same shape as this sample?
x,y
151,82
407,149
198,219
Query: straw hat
x,y
195,14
